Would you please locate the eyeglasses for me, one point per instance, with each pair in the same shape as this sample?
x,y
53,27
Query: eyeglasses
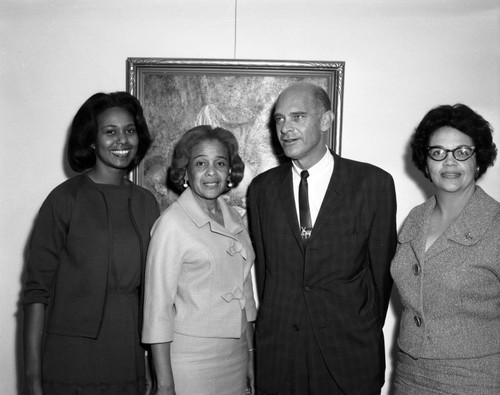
x,y
461,153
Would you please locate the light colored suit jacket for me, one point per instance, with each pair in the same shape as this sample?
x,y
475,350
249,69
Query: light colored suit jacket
x,y
451,292
198,279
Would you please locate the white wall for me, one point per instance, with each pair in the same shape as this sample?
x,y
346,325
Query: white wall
x,y
402,58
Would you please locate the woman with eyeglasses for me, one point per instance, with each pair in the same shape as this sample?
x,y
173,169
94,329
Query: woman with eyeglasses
x,y
447,265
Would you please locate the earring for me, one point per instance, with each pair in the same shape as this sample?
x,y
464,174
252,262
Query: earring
x,y
185,185
229,182
476,175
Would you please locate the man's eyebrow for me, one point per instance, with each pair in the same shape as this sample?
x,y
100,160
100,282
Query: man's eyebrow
x,y
291,113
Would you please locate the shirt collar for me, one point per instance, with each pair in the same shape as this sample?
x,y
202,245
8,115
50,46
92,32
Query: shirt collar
x,y
324,163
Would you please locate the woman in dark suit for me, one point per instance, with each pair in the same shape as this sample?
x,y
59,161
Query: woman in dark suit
x,y
447,265
87,257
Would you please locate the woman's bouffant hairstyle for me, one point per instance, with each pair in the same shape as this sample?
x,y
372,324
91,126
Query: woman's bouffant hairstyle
x,y
459,117
198,134
83,132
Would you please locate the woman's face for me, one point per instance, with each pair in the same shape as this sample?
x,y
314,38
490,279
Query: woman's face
x,y
116,141
208,170
451,175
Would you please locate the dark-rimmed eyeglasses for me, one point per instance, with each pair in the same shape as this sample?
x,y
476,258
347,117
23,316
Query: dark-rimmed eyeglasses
x,y
461,153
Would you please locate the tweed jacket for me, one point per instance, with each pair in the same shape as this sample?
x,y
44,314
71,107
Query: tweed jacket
x,y
198,279
339,281
70,253
451,292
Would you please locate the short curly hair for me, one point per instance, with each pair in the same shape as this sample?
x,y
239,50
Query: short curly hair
x,y
83,132
183,148
462,118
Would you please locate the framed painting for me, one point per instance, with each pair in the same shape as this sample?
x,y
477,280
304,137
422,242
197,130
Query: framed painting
x,y
238,95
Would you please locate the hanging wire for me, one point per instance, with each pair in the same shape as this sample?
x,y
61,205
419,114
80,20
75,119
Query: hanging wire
x,y
235,25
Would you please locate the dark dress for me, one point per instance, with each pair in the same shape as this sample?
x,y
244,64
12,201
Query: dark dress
x,y
113,363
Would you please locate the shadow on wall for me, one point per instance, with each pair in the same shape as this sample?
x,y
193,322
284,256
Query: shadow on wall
x,y
19,319
415,174
65,164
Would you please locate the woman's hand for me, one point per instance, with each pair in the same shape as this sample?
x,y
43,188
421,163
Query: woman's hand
x,y
249,334
148,373
34,321
163,369
250,373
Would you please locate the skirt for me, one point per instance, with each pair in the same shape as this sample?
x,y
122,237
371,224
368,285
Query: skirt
x,y
112,364
209,366
469,376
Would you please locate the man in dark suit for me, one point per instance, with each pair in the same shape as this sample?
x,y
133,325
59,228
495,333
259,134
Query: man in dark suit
x,y
322,271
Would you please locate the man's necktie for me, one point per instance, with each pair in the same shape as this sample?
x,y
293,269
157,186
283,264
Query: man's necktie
x,y
305,214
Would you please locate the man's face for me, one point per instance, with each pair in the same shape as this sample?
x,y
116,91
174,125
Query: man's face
x,y
299,123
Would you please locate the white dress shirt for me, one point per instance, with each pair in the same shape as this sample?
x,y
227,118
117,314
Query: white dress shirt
x,y
318,180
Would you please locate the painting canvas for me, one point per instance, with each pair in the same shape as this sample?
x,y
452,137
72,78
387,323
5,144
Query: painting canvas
x,y
178,94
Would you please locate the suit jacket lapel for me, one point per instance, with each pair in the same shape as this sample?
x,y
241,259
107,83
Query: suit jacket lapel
x,y
336,187
413,230
285,187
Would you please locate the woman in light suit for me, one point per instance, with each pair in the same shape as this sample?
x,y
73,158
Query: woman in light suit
x,y
447,265
199,304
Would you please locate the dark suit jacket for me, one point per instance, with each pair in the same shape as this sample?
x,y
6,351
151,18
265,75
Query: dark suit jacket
x,y
340,279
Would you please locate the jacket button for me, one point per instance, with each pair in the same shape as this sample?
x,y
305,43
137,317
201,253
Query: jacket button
x,y
307,289
416,269
418,321
295,327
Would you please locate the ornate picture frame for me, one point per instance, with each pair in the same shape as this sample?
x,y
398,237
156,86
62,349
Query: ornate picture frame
x,y
238,95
